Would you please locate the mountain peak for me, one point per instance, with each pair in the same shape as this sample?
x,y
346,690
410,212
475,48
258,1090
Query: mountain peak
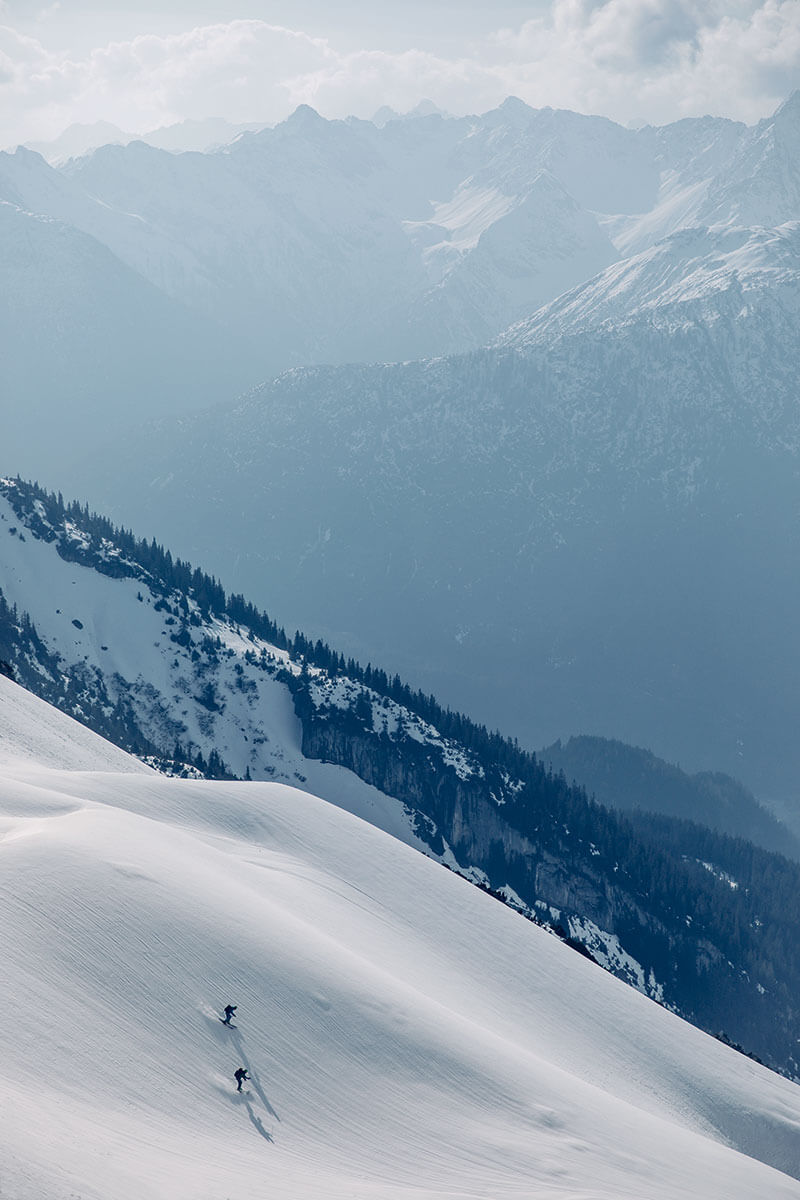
x,y
305,117
25,154
384,115
425,108
514,104
514,109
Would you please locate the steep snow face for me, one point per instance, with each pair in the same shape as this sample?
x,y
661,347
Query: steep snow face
x,y
760,184
32,732
496,254
693,272
687,157
405,1035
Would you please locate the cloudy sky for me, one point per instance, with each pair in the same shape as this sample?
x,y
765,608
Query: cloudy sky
x,y
150,65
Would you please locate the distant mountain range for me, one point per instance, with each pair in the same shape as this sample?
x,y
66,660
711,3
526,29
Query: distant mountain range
x,y
430,235
201,136
634,780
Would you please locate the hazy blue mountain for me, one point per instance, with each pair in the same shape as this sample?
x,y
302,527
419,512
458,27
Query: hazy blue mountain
x,y
633,779
589,526
337,273
431,234
81,139
90,348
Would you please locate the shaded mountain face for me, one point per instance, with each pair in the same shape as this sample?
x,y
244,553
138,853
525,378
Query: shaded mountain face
x,y
590,525
155,656
632,779
90,348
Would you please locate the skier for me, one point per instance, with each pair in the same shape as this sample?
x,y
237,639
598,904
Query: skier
x,y
230,1009
241,1076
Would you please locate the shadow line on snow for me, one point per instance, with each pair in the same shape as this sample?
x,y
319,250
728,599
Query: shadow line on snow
x,y
237,1039
257,1122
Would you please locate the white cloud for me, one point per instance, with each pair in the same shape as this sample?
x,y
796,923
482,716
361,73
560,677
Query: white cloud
x,y
660,59
234,70
361,82
46,13
652,59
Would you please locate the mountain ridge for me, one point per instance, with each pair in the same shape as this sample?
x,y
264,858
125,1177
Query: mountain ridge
x,y
631,778
381,265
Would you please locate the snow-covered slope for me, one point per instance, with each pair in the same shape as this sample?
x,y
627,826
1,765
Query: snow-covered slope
x,y
33,733
760,183
406,1036
689,277
154,655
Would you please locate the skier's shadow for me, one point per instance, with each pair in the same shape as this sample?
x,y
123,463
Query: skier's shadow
x,y
236,1038
257,1122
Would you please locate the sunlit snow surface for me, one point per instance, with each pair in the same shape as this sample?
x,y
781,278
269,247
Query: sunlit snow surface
x,y
407,1036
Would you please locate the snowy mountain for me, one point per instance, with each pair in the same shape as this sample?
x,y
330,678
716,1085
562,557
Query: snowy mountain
x,y
151,653
340,273
690,277
247,237
577,528
760,184
430,236
404,1034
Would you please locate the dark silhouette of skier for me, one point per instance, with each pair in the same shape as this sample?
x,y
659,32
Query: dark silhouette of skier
x,y
241,1076
230,1009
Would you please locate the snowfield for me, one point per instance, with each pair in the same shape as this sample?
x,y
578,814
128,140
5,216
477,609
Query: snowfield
x,y
406,1035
